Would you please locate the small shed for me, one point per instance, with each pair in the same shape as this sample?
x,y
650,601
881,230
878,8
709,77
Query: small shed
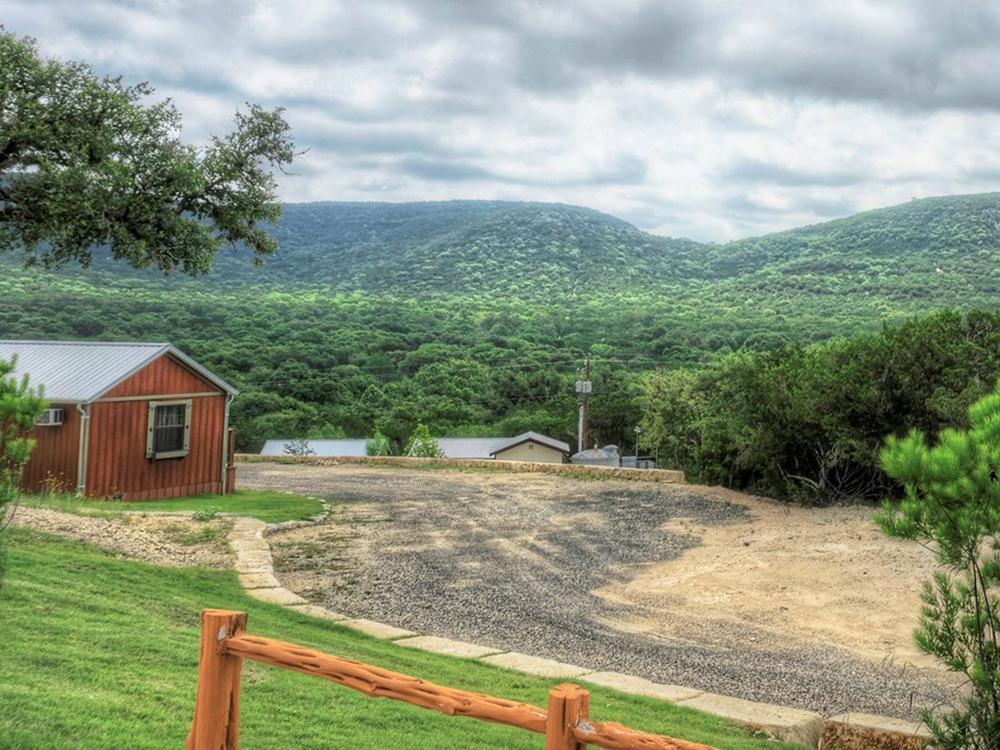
x,y
325,448
528,446
134,421
531,446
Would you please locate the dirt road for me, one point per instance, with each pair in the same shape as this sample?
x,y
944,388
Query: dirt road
x,y
691,586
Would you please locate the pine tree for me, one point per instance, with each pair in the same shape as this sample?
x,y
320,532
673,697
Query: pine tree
x,y
20,408
952,505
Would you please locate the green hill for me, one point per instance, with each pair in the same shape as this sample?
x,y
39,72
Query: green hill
x,y
932,248
954,233
929,247
941,249
474,315
519,249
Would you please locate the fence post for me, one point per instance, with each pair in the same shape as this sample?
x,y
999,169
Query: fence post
x,y
568,704
216,724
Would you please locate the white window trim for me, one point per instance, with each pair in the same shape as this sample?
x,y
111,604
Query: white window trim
x,y
151,429
50,415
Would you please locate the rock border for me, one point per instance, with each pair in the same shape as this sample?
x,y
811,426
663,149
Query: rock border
x,y
255,569
582,471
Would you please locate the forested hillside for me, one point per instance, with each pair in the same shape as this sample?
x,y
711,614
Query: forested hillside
x,y
526,250
475,316
929,248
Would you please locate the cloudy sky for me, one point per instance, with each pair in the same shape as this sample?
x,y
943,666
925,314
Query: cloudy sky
x,y
707,119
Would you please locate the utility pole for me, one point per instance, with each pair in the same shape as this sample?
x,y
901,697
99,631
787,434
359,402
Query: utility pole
x,y
584,388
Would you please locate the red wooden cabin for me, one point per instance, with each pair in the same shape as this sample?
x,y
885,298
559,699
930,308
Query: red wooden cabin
x,y
128,421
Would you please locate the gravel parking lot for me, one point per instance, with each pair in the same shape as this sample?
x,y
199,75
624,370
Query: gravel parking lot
x,y
685,585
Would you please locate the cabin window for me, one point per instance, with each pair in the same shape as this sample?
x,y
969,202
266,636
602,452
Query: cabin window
x,y
51,418
168,433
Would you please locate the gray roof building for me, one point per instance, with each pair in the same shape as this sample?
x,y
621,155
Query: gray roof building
x,y
79,372
467,447
128,420
524,437
487,448
325,448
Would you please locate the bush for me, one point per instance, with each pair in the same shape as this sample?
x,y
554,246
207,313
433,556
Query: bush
x,y
807,423
422,445
378,445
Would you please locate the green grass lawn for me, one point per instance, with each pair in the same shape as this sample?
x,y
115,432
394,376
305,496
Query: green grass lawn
x,y
270,507
97,652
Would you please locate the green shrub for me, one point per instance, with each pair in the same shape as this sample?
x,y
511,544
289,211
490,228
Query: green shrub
x,y
378,445
422,445
807,423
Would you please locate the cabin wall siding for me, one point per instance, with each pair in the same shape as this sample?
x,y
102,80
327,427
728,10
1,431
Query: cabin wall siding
x,y
160,377
55,455
116,455
531,451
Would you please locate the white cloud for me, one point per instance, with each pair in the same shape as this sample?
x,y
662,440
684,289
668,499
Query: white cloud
x,y
711,120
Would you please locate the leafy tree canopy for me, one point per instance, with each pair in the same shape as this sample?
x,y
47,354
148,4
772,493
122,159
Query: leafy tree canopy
x,y
86,162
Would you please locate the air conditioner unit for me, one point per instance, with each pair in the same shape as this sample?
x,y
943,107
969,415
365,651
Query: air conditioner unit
x,y
51,418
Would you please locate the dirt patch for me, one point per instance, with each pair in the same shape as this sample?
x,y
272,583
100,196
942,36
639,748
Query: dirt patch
x,y
822,574
177,541
845,737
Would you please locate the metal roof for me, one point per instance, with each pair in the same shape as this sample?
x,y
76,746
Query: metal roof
x,y
82,371
467,447
328,448
489,447
524,437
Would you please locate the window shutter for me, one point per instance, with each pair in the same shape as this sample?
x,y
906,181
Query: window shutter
x,y
160,446
150,424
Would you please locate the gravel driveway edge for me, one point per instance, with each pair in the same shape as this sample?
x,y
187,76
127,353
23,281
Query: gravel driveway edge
x,y
255,568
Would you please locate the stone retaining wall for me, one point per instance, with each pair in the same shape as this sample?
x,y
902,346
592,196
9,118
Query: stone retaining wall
x,y
517,467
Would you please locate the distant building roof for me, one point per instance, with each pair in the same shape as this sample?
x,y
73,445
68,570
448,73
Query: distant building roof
x,y
488,447
467,447
524,437
82,371
327,448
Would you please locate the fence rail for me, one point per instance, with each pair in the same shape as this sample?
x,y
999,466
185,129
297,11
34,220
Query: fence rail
x,y
224,644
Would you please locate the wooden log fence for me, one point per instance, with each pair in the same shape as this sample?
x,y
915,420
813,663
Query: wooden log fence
x,y
566,724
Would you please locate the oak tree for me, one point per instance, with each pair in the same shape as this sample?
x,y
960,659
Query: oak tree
x,y
89,161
